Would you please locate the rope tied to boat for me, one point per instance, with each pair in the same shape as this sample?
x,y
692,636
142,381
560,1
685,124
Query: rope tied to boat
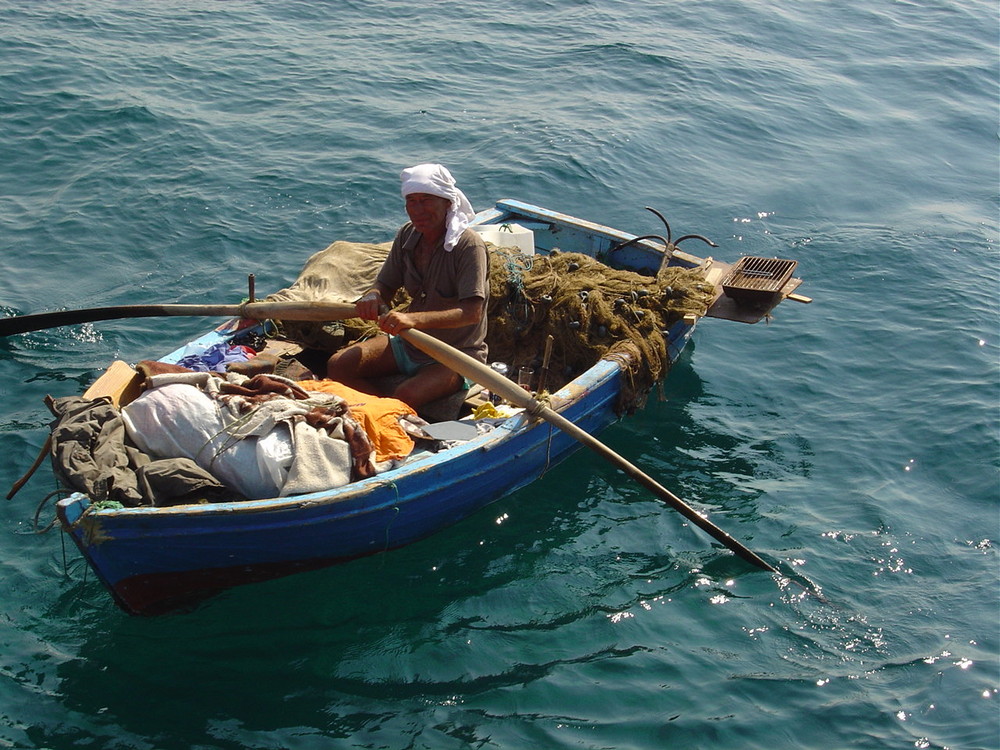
x,y
516,264
395,515
41,506
537,405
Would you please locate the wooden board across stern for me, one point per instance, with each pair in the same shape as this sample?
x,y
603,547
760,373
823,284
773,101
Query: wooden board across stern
x,y
726,308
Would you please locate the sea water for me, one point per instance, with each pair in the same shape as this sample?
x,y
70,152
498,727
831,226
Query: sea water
x,y
161,152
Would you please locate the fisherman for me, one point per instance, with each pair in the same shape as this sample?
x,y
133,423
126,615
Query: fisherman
x,y
442,265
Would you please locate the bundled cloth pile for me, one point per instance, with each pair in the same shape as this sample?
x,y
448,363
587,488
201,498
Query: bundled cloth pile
x,y
207,437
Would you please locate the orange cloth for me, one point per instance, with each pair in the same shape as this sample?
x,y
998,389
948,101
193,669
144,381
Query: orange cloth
x,y
378,416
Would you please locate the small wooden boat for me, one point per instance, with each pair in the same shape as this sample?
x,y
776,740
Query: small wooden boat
x,y
153,559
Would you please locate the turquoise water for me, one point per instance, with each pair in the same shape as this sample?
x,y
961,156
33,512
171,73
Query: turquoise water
x,y
161,152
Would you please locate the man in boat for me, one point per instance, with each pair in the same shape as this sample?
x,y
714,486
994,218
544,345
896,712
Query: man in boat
x,y
442,265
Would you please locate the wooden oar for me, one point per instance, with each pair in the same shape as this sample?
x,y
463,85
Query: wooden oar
x,y
318,311
447,355
476,371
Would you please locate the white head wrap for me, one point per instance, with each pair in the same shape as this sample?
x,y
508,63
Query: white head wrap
x,y
434,179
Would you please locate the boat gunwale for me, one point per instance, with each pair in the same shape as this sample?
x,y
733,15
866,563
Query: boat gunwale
x,y
512,207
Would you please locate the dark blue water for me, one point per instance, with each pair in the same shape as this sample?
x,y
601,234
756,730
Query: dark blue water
x,y
161,152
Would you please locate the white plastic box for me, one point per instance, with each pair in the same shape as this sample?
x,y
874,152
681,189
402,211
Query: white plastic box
x,y
509,235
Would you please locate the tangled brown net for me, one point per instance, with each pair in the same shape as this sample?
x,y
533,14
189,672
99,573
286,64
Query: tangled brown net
x,y
592,311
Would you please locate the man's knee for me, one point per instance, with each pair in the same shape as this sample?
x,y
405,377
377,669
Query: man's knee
x,y
428,385
345,362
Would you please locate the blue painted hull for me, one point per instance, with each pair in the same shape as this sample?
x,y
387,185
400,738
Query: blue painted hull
x,y
154,559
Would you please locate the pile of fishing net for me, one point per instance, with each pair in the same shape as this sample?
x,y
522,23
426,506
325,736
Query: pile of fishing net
x,y
592,311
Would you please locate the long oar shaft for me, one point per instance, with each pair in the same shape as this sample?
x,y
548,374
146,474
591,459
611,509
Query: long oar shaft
x,y
496,383
316,311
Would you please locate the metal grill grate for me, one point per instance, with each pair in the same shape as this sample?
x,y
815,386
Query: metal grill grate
x,y
758,281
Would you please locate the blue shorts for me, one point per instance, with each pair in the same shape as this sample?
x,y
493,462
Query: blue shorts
x,y
406,364
404,361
